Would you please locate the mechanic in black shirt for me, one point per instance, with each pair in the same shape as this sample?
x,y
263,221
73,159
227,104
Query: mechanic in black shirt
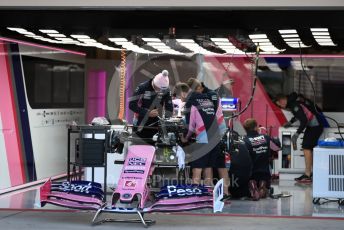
x,y
259,147
310,120
151,99
220,171
199,87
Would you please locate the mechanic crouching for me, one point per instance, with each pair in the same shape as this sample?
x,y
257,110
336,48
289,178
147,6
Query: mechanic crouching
x,y
259,147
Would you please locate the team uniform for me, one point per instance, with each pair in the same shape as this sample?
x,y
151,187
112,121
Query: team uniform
x,y
259,147
144,100
207,125
309,119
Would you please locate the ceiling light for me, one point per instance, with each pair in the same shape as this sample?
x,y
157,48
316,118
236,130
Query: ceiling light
x,y
65,39
131,47
26,32
260,40
319,29
156,44
290,35
297,45
255,36
196,48
49,31
321,37
79,36
118,39
287,31
185,40
219,39
292,39
57,35
263,42
121,43
33,36
226,46
324,40
270,48
321,33
87,40
84,44
16,29
151,39
327,44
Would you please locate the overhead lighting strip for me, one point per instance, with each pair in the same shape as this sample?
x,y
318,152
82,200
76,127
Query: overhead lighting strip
x,y
191,45
322,36
226,45
129,45
264,44
57,38
291,37
157,44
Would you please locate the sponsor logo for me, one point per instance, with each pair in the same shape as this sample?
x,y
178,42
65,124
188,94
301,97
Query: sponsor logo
x,y
257,140
261,149
135,171
135,167
137,161
130,184
126,195
67,187
174,191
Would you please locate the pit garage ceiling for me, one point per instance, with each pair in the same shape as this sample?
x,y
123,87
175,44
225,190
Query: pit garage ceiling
x,y
198,20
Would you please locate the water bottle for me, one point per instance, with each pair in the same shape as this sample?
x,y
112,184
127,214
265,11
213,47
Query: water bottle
x,y
228,160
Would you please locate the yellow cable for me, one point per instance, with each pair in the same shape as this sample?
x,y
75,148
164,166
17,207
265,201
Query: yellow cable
x,y
122,85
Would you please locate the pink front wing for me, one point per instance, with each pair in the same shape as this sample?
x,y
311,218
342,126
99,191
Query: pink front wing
x,y
65,199
135,173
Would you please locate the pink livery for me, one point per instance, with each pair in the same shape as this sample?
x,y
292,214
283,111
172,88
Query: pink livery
x,y
133,191
136,170
65,199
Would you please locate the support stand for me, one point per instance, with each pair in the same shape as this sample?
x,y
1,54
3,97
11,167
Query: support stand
x,y
146,223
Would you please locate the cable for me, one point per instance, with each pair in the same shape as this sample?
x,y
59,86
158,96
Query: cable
x,y
314,95
253,87
232,144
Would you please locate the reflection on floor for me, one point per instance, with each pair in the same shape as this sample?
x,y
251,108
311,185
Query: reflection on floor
x,y
299,204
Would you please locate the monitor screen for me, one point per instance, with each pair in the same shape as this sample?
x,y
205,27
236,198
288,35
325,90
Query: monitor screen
x,y
229,104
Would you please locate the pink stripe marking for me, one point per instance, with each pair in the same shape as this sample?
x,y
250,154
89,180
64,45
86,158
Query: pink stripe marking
x,y
75,198
184,201
96,99
71,204
308,113
277,55
8,116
